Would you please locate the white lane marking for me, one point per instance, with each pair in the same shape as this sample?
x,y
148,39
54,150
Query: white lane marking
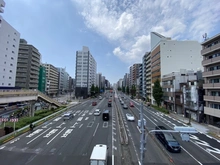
x,y
14,140
90,124
80,119
47,125
2,147
35,132
150,120
105,124
80,125
83,114
96,129
113,160
86,118
38,136
68,131
191,155
209,136
80,113
55,136
60,125
155,120
57,119
138,129
53,131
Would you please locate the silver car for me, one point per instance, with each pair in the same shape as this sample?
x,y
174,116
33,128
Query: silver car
x,y
129,117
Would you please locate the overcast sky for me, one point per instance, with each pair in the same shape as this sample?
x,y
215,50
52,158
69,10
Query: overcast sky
x,y
117,32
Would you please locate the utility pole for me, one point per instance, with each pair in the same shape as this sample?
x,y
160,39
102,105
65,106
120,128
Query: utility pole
x,y
142,139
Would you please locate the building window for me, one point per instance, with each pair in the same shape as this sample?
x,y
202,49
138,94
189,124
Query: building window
x,y
11,64
9,77
13,52
2,83
14,46
6,48
5,62
6,55
12,58
3,76
7,42
10,70
9,84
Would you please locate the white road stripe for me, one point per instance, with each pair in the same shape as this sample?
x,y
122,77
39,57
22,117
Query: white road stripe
x,y
80,125
38,136
96,129
2,147
55,136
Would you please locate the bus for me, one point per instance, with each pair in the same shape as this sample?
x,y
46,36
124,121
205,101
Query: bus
x,y
99,155
105,115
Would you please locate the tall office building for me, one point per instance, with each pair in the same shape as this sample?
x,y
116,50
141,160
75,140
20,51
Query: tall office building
x,y
52,80
211,63
146,76
98,80
85,72
170,55
63,82
9,44
134,75
28,66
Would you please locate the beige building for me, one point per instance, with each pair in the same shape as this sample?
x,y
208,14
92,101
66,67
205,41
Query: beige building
x,y
52,80
211,63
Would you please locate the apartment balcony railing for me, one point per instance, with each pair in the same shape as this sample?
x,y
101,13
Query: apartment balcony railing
x,y
211,85
212,98
211,61
210,49
211,73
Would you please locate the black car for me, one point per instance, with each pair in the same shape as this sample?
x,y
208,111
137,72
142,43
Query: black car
x,y
167,139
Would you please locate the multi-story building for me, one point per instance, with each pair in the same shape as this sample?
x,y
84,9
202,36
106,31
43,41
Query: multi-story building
x,y
170,55
52,80
9,45
63,80
211,63
126,82
139,91
85,72
134,75
42,79
98,80
183,93
28,66
147,72
103,84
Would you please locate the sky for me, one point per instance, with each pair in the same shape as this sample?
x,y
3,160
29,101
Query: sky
x,y
117,32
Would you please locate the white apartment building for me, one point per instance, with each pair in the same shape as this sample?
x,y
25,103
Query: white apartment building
x,y
168,56
9,45
63,80
85,72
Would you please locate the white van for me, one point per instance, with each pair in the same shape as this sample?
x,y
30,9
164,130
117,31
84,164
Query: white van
x,y
99,155
67,116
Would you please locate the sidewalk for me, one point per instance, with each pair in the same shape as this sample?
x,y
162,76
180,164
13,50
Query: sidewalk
x,y
200,127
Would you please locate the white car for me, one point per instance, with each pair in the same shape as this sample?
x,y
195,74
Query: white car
x,y
97,112
129,117
139,123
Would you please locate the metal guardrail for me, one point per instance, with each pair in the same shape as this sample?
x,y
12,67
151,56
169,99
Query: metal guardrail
x,y
36,122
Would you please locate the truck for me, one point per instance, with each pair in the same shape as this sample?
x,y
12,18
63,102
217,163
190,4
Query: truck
x,y
99,155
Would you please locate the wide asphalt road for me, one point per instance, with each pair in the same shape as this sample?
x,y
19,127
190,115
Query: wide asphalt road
x,y
65,142
202,149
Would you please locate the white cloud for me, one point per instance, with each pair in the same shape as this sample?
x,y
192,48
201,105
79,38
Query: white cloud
x,y
128,23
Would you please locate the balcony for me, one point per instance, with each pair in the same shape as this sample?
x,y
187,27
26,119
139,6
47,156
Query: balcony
x,y
211,61
212,98
210,49
167,86
212,111
171,94
211,73
211,85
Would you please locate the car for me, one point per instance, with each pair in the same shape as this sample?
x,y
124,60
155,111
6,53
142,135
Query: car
x,y
167,139
94,103
139,123
97,112
109,104
131,104
122,102
130,117
125,106
67,116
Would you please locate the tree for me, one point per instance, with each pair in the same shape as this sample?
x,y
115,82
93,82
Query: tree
x,y
133,90
157,92
123,89
127,90
119,89
96,89
92,90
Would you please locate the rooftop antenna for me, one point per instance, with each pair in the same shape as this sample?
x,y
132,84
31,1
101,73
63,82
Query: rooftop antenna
x,y
204,36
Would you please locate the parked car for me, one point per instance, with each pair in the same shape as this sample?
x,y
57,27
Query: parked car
x,y
130,117
167,139
125,106
97,112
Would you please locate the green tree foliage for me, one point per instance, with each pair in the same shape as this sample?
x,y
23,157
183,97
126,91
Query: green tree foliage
x,y
127,90
97,89
133,90
119,89
157,92
123,89
92,90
